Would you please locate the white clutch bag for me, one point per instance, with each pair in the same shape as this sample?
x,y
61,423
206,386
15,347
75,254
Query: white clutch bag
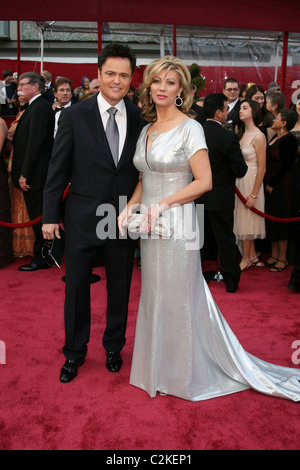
x,y
161,228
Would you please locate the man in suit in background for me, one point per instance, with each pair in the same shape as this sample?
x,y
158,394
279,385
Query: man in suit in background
x,y
232,91
100,170
63,91
49,94
32,143
200,115
227,164
7,93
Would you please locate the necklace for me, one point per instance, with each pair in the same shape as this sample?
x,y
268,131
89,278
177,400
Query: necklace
x,y
154,134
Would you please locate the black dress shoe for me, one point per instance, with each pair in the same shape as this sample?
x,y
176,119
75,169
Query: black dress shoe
x,y
293,287
33,267
231,289
113,361
69,370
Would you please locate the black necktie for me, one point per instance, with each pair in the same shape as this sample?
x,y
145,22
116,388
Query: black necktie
x,y
112,134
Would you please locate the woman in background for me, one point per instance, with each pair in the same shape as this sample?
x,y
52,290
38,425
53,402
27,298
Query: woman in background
x,y
280,187
256,93
23,237
248,225
83,89
6,251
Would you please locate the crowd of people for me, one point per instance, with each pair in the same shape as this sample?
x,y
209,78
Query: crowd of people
x,y
163,154
271,184
267,141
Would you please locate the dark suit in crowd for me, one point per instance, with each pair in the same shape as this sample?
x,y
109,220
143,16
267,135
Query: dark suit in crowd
x,y
233,116
32,144
200,114
227,164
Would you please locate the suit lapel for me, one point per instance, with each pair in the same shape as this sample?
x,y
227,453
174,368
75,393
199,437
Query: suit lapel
x,y
92,117
130,135
25,114
21,120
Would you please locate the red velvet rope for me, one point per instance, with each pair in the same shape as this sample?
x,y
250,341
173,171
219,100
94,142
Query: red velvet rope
x,y
266,216
30,222
239,195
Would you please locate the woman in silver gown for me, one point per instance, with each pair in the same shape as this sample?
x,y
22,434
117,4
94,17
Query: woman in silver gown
x,y
183,345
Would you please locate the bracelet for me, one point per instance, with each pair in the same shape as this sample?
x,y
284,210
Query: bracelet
x,y
254,197
159,209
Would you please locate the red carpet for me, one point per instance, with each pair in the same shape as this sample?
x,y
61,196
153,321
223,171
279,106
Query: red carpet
x,y
100,410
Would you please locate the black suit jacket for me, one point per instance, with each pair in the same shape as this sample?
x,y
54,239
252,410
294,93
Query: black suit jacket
x,y
32,144
234,114
227,164
81,156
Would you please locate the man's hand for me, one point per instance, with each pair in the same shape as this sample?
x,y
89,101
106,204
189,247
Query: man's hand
x,y
23,183
49,230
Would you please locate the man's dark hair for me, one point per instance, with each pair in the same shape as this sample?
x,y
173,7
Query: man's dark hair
x,y
7,73
214,102
117,50
61,81
33,78
230,80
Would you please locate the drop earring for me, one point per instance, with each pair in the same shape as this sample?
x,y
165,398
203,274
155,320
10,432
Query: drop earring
x,y
178,101
150,99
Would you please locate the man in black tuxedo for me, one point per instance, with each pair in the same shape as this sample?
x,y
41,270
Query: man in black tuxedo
x,y
32,143
227,164
99,181
63,91
231,91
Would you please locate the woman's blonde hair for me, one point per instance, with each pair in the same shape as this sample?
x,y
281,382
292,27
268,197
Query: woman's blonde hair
x,y
152,70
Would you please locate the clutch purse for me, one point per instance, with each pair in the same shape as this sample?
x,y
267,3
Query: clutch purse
x,y
161,228
53,250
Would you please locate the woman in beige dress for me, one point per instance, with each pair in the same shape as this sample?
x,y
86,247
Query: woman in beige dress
x,y
248,225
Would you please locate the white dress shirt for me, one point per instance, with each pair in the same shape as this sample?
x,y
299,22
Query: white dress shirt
x,y
232,105
34,98
121,118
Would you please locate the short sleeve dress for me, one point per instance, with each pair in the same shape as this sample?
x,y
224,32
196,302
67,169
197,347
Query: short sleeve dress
x,y
183,345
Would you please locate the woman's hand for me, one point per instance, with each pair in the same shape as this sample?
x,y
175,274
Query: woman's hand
x,y
150,217
250,201
23,183
123,217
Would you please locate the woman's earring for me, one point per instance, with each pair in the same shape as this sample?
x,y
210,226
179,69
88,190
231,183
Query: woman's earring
x,y
151,101
178,101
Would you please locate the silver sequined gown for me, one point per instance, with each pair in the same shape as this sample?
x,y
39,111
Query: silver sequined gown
x,y
183,345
